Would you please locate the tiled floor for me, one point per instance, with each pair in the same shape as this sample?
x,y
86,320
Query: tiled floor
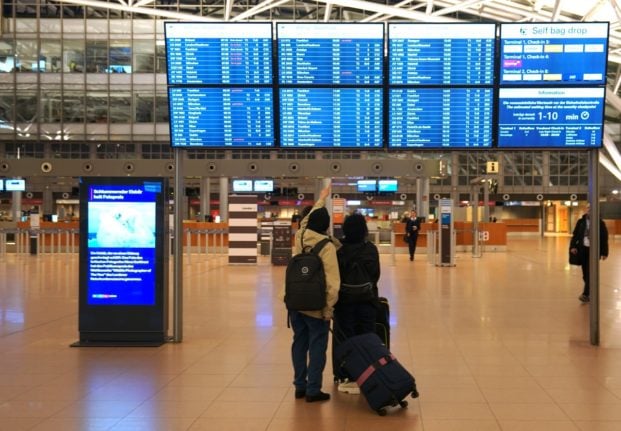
x,y
499,342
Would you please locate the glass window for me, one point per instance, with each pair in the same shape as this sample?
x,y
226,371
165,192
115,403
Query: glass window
x,y
120,107
73,107
67,150
7,57
97,107
73,55
144,108
144,56
26,107
6,108
26,55
161,109
96,56
51,106
51,55
120,58
160,57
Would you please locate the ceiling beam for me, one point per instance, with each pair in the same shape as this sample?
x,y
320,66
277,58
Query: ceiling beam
x,y
139,10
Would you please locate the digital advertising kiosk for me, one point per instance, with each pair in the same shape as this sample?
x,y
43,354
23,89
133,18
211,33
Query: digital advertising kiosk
x,y
123,262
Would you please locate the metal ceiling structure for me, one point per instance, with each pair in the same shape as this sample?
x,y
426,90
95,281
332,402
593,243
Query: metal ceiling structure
x,y
410,10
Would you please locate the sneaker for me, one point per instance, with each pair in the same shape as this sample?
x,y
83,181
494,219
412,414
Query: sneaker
x,y
321,396
349,387
584,298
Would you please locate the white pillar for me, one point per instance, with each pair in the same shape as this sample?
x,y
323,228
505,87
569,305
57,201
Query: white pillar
x,y
224,199
205,197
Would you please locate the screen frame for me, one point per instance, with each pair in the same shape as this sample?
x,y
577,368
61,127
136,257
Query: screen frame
x,y
269,189
118,322
362,184
392,183
236,186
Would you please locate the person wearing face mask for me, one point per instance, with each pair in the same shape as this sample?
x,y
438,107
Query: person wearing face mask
x,y
580,246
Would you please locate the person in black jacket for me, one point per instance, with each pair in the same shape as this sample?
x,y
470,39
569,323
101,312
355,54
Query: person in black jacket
x,y
580,246
412,228
359,266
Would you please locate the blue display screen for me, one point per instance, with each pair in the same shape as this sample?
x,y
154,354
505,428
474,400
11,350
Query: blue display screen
x,y
367,186
331,117
219,53
221,117
441,54
550,117
387,186
440,117
121,244
323,53
553,53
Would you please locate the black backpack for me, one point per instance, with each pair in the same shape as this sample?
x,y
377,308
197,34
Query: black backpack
x,y
356,284
305,280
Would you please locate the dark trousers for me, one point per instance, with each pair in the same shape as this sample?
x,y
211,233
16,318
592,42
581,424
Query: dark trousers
x,y
412,245
308,351
585,270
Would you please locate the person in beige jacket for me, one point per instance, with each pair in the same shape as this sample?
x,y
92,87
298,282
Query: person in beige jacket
x,y
311,328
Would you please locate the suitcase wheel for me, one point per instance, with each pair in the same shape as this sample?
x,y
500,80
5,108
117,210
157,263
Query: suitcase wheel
x,y
415,394
381,412
403,404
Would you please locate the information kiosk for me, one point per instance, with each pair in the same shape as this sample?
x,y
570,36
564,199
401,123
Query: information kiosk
x,y
123,262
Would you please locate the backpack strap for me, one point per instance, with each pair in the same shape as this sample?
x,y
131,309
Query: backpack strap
x,y
321,244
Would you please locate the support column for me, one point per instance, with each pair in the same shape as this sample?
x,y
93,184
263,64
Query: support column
x,y
48,202
224,199
418,202
205,197
16,206
424,205
594,240
485,202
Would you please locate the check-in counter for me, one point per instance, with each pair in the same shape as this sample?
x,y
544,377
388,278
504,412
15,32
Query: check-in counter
x,y
522,226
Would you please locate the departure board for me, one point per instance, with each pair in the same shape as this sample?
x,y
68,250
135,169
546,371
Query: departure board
x,y
550,117
441,54
331,118
219,53
326,54
221,117
553,53
440,118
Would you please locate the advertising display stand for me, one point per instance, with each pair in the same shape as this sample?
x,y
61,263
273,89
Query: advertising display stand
x,y
281,250
123,262
445,232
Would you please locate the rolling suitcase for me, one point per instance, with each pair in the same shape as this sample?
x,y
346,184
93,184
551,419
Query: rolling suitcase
x,y
382,379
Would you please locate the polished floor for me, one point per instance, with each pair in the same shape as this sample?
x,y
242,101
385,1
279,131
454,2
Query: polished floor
x,y
499,342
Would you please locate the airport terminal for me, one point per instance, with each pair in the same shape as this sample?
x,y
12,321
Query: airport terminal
x,y
155,158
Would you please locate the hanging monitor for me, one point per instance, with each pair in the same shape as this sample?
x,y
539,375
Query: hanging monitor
x,y
387,186
14,184
330,53
547,117
440,117
242,186
553,53
441,54
336,118
366,186
201,53
263,186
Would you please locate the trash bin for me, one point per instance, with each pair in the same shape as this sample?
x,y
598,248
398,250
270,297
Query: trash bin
x,y
265,247
34,243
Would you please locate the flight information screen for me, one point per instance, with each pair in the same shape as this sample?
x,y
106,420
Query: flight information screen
x,y
219,53
440,117
221,117
441,54
553,53
331,118
550,117
324,54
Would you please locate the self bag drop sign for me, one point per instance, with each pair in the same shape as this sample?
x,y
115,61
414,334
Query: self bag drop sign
x,y
123,268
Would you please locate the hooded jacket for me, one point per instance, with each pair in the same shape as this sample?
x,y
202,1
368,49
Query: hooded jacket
x,y
330,263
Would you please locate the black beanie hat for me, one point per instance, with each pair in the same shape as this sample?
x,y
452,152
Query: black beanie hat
x,y
355,228
319,220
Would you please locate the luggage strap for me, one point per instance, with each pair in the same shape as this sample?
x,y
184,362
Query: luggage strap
x,y
374,366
